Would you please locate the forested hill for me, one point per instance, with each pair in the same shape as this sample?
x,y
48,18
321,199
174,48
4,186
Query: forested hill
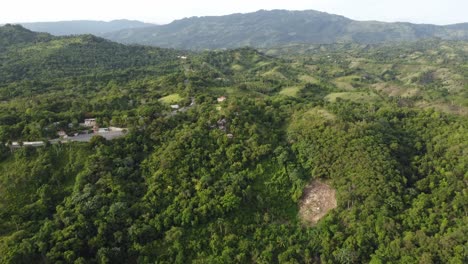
x,y
224,178
16,34
28,55
279,27
79,27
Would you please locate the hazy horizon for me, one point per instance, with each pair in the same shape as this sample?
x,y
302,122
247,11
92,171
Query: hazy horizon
x,y
162,12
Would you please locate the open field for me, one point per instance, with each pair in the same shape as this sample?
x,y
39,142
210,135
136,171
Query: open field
x,y
171,99
353,96
290,91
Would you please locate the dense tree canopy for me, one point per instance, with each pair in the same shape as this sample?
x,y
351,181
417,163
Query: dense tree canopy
x,y
221,182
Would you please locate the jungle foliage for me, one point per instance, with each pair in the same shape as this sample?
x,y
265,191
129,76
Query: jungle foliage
x,y
221,182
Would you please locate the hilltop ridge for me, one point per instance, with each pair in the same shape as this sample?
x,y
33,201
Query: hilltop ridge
x,y
264,29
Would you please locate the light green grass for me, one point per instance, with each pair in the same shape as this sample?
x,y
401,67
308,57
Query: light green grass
x,y
237,67
307,78
290,91
274,73
345,82
353,96
320,112
171,99
262,63
53,45
234,92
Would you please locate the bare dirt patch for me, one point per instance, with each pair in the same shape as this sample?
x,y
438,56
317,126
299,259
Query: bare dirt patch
x,y
318,199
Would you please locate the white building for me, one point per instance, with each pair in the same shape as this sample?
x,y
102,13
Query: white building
x,y
90,122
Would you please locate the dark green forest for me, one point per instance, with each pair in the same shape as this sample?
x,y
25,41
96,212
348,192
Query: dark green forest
x,y
222,182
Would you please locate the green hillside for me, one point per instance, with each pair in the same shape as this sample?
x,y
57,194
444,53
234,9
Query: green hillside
x,y
264,29
41,56
15,34
342,153
422,74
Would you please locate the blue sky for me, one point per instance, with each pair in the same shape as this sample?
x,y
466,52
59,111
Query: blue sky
x,y
157,11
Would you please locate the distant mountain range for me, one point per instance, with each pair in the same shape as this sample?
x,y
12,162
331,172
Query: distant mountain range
x,y
79,27
261,29
279,27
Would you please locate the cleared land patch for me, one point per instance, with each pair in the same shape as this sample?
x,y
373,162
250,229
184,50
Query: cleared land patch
x,y
171,99
353,96
275,73
346,82
290,91
394,90
320,112
308,78
317,200
237,67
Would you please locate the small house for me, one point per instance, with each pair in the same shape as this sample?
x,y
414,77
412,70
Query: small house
x,y
221,99
62,134
175,106
90,122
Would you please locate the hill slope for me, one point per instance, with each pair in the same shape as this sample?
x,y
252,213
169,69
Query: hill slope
x,y
279,27
15,34
78,27
221,182
30,55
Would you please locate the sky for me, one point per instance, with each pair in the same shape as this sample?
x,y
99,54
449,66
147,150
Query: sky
x,y
439,12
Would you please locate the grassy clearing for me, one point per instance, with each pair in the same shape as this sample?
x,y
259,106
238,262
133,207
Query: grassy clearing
x,y
344,85
362,97
396,90
262,63
171,99
290,91
321,113
357,62
237,67
308,78
234,92
274,74
345,82
444,107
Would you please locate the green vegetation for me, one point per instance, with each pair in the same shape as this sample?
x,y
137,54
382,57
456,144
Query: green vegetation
x,y
170,99
266,29
352,96
429,73
223,186
290,91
